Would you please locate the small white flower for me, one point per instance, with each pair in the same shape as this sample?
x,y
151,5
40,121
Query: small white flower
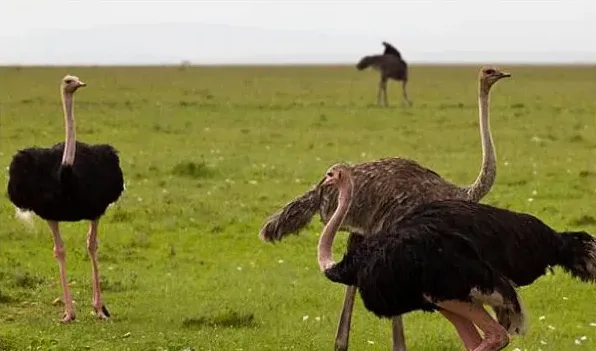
x,y
280,261
371,342
541,318
304,318
551,327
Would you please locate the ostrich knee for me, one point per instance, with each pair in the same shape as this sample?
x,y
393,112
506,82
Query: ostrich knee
x,y
59,252
92,245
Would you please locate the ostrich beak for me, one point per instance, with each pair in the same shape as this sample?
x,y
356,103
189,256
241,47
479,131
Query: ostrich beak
x,y
505,74
82,84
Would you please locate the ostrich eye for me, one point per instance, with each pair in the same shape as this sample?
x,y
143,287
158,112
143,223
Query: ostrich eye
x,y
329,174
490,71
68,81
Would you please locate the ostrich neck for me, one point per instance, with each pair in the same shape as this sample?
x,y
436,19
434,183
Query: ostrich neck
x,y
486,178
325,247
69,125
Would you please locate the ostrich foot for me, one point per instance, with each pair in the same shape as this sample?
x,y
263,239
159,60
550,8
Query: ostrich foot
x,y
101,312
493,344
68,317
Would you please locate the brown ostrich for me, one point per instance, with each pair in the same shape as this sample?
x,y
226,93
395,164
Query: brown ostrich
x,y
386,190
391,66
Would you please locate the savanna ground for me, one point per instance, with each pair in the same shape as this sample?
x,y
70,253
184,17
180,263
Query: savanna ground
x,y
209,153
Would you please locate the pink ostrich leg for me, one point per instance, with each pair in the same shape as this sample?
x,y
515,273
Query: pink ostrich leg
x,y
100,310
60,254
495,336
465,329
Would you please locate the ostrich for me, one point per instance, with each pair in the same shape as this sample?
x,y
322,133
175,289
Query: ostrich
x,y
413,266
392,66
519,245
70,181
386,190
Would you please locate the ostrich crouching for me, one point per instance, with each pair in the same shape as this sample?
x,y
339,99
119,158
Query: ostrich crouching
x,y
414,267
70,181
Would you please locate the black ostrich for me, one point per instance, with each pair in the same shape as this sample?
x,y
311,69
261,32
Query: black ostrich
x,y
415,267
70,181
391,65
519,245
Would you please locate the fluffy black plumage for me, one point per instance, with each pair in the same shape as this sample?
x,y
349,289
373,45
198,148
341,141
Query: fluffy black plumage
x,y
519,245
39,183
390,50
395,270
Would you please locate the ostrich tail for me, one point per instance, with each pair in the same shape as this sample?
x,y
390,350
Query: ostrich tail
x,y
291,218
511,313
577,255
26,217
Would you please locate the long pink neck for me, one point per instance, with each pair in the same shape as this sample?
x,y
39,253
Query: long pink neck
x,y
69,124
325,248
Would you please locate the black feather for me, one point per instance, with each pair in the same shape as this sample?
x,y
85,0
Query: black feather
x,y
39,183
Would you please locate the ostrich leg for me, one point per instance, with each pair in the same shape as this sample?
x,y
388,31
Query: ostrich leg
x,y
100,309
404,93
465,329
60,255
384,85
495,336
379,92
342,336
397,331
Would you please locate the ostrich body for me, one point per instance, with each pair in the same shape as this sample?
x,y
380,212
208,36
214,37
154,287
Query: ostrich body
x,y
391,65
415,267
519,245
69,181
386,190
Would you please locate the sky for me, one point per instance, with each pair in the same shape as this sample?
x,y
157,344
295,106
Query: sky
x,y
220,32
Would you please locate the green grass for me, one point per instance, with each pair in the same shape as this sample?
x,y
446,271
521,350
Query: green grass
x,y
209,153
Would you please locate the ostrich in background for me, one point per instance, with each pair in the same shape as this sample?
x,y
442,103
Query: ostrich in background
x,y
386,190
414,266
391,66
70,181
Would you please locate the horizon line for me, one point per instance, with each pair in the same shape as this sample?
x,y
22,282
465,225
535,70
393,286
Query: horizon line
x,y
295,64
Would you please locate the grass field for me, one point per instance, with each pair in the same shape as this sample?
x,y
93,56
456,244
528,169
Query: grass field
x,y
209,153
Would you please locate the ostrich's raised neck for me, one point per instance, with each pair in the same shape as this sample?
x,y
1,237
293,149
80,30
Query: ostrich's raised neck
x,y
338,175
69,85
488,172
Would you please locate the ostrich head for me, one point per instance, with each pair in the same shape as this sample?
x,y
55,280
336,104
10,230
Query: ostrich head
x,y
337,175
70,84
490,75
